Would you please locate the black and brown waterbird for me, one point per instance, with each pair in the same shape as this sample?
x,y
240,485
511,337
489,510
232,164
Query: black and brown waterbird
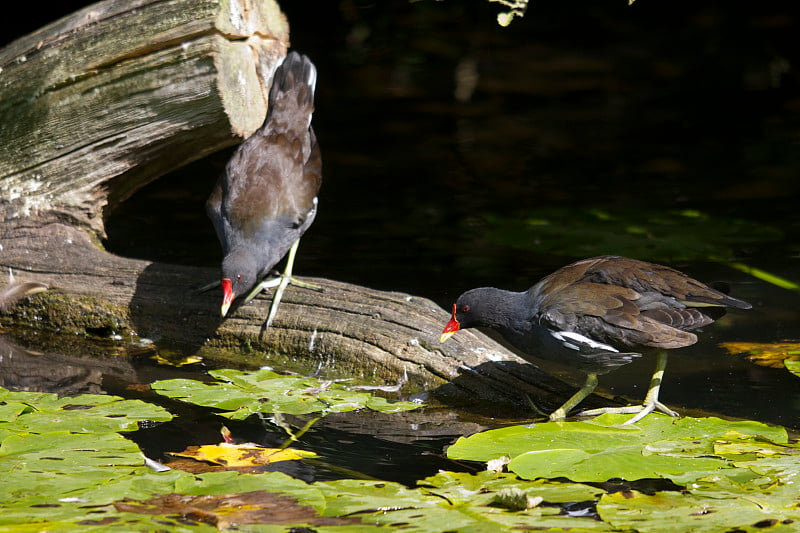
x,y
596,315
266,198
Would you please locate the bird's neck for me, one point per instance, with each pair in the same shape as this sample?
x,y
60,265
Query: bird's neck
x,y
507,311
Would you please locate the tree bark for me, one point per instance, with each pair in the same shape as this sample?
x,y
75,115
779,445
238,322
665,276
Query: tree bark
x,y
108,99
100,103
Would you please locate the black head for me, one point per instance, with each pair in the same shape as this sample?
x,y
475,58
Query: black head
x,y
478,307
239,275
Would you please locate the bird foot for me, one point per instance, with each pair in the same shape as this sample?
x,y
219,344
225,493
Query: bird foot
x,y
640,410
281,282
559,415
306,285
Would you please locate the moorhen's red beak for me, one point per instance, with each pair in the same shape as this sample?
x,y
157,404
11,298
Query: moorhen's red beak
x,y
451,327
227,295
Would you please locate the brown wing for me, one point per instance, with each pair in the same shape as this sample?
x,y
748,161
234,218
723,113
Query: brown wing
x,y
276,173
629,302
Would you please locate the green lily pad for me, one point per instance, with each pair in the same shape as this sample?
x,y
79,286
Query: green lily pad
x,y
597,450
666,512
455,502
793,367
264,391
37,412
480,488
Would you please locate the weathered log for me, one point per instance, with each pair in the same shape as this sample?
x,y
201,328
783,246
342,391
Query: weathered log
x,y
102,102
352,331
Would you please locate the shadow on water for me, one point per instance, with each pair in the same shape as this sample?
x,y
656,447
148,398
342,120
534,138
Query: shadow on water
x,y
433,122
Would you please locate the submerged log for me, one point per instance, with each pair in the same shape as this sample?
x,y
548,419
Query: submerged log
x,y
102,102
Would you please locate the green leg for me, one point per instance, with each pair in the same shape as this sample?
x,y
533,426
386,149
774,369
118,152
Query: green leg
x,y
281,283
578,397
651,402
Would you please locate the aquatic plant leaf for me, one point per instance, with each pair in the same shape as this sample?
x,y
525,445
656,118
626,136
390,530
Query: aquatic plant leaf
x,y
443,504
88,413
226,511
769,354
235,455
793,367
480,488
229,481
598,449
264,391
679,512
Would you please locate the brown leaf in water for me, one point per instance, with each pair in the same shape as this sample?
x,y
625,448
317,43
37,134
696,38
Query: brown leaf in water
x,y
229,510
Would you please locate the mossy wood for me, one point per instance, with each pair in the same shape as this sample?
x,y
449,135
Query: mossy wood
x,y
102,102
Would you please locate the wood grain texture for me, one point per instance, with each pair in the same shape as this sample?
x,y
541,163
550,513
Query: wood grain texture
x,y
100,103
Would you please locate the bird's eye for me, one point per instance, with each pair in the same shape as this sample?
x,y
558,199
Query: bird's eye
x,y
238,277
465,309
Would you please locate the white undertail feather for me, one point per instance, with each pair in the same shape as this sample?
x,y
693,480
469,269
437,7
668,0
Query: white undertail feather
x,y
566,336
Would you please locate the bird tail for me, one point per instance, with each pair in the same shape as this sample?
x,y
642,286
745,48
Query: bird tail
x,y
291,97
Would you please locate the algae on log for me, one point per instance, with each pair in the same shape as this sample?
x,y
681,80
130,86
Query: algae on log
x,y
102,102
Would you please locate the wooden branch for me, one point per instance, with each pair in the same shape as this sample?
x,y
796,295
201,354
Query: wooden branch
x,y
99,103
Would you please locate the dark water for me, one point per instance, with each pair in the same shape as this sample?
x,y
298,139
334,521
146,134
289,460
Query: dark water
x,y
580,107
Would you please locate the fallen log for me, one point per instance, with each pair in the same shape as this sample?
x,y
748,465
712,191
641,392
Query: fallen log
x,y
351,331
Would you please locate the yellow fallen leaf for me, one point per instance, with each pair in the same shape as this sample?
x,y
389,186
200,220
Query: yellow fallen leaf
x,y
189,360
239,455
771,355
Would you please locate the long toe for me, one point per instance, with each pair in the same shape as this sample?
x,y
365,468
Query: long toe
x,y
646,409
276,299
666,410
627,410
640,411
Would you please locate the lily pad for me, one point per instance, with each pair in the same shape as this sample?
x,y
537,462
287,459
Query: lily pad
x,y
666,512
37,412
264,391
598,450
793,367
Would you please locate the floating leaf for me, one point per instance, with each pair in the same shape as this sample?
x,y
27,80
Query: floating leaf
x,y
232,510
183,361
234,455
264,391
793,367
480,488
597,450
772,355
667,512
37,412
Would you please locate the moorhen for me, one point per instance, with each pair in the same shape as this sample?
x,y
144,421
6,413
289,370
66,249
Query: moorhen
x,y
267,196
596,315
